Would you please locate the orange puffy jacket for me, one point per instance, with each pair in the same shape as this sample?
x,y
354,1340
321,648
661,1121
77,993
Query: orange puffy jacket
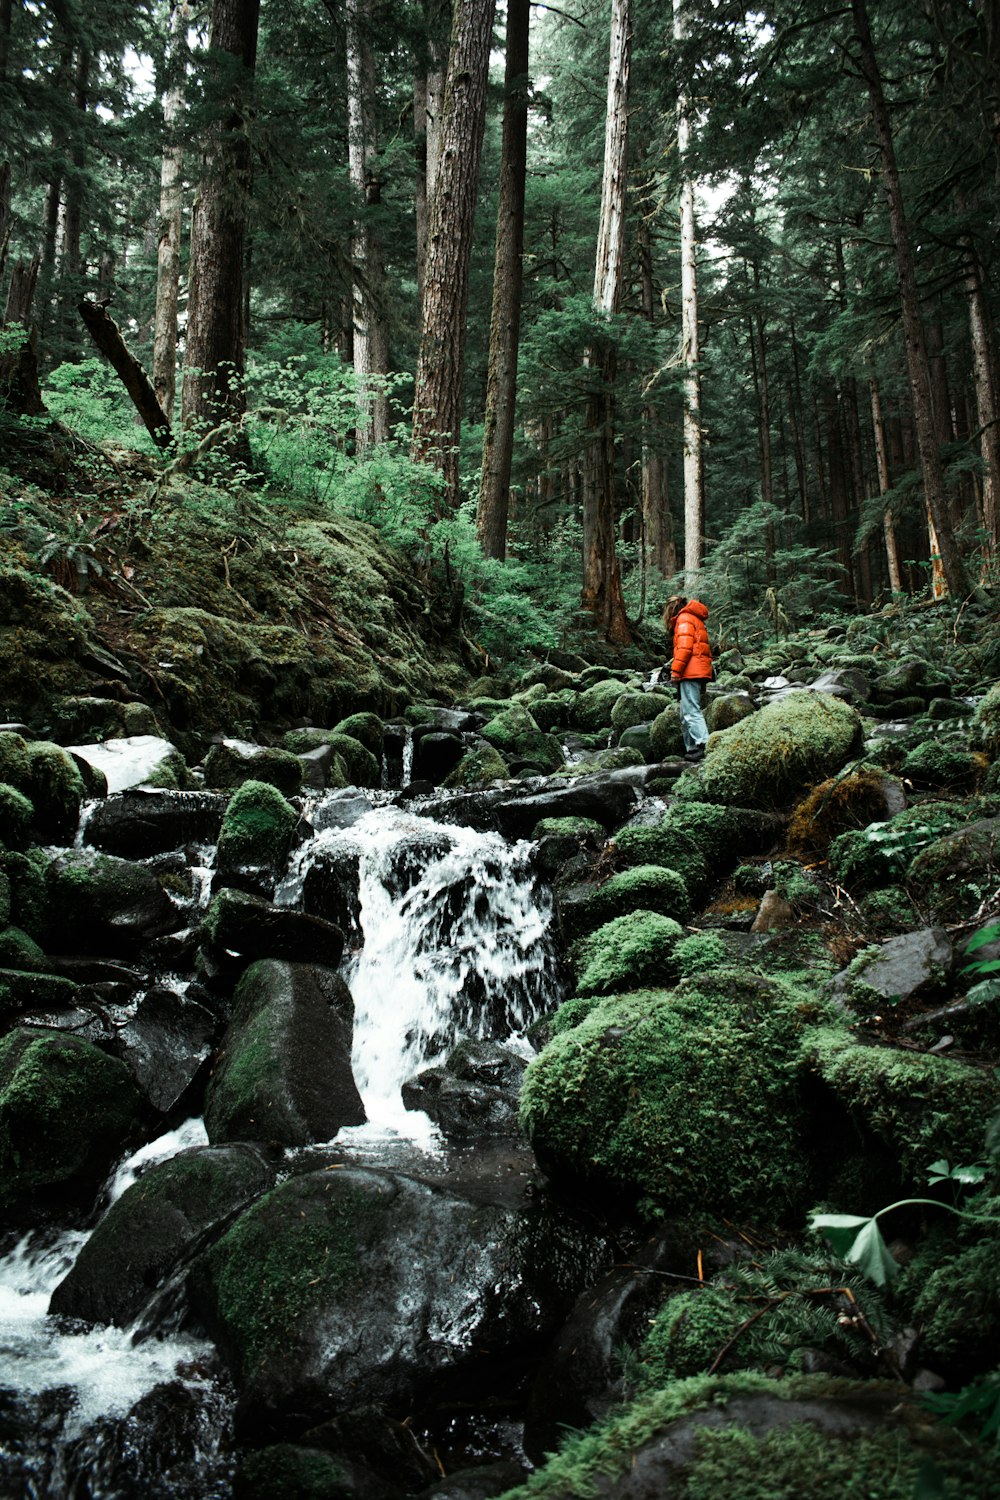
x,y
692,653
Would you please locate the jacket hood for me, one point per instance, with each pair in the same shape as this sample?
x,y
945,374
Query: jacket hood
x,y
695,607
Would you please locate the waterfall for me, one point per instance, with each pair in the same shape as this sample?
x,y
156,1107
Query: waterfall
x,y
452,941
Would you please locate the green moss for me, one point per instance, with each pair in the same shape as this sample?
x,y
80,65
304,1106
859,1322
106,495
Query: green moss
x,y
229,764
637,708
478,766
16,817
19,951
271,1272
15,762
56,790
957,1307
920,1107
692,838
888,911
956,876
688,1096
776,753
665,737
628,953
573,828
367,729
615,759
838,805
515,734
700,952
595,705
935,764
984,732
25,874
645,888
257,828
285,1471
881,853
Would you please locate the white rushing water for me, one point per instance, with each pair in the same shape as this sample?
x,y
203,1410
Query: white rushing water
x,y
107,1372
455,944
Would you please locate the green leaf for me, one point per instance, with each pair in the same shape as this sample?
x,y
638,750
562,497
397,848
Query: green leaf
x,y
871,1254
840,1229
938,1171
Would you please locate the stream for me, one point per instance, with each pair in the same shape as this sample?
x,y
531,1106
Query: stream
x,y
450,941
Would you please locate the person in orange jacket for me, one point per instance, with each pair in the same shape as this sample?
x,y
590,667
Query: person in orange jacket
x,y
690,667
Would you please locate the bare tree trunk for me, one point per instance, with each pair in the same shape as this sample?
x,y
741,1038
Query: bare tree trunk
x,y
168,250
655,496
216,332
428,107
884,486
987,406
371,345
602,589
913,328
505,323
108,338
437,400
19,367
694,491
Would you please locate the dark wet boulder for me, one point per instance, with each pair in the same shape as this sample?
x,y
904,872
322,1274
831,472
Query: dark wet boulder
x,y
169,1210
165,1043
230,763
606,797
283,1072
241,923
345,1287
381,1447
484,1482
475,1093
436,753
35,990
66,1111
143,821
99,904
747,1435
308,1473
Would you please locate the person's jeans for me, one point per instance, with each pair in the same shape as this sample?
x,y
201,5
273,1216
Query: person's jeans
x,y
693,726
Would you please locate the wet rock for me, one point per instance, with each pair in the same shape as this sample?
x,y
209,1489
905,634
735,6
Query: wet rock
x,y
474,1094
330,890
255,839
246,924
22,990
293,1469
606,797
168,1211
100,904
66,1110
482,1483
140,822
230,763
355,1286
436,753
283,1072
386,1448
952,877
134,760
165,1044
914,965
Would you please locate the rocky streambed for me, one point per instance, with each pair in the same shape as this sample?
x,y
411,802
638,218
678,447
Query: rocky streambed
x,y
379,1107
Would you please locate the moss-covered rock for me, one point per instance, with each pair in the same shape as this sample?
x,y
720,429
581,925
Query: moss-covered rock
x,y
629,953
882,853
915,1107
695,839
28,889
842,804
100,904
517,737
367,728
726,709
665,737
940,765
480,765
16,817
635,707
230,763
594,706
56,790
952,1293
685,1096
699,954
44,642
66,1110
288,1471
257,829
984,731
611,758
582,909
951,878
19,951
778,752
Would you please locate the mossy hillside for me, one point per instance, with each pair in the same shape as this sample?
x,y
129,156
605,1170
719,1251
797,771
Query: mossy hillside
x,y
856,1459
687,1096
269,1274
257,828
767,1314
773,756
919,1108
66,1109
629,953
46,645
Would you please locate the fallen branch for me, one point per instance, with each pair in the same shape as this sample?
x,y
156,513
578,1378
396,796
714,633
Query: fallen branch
x,y
108,337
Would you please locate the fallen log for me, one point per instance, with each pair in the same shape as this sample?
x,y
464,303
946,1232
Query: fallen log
x,y
108,337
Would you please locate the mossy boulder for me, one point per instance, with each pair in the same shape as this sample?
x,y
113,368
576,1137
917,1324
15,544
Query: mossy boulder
x,y
15,762
612,758
257,830
584,908
843,804
687,1097
952,1292
882,853
367,729
629,953
19,951
953,877
777,753
56,790
479,765
911,1108
594,706
665,737
757,1438
239,922
44,642
699,840
939,765
27,890
635,707
984,731
230,763
153,1224
97,903
66,1111
16,817
517,737
283,1071
363,768
723,710
553,711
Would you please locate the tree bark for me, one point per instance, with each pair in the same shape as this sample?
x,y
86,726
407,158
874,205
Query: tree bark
x,y
657,522
602,589
213,390
168,249
108,337
437,400
884,486
694,490
918,370
987,405
370,343
19,368
428,102
505,322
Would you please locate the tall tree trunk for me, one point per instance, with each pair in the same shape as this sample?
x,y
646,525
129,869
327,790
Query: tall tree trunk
x,y
213,389
437,398
505,322
602,589
655,499
168,249
918,370
987,405
694,489
371,344
428,108
884,486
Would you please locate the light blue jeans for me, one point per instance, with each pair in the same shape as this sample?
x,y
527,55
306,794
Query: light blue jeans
x,y
693,726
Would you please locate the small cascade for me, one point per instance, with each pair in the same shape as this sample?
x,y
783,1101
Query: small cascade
x,y
453,942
